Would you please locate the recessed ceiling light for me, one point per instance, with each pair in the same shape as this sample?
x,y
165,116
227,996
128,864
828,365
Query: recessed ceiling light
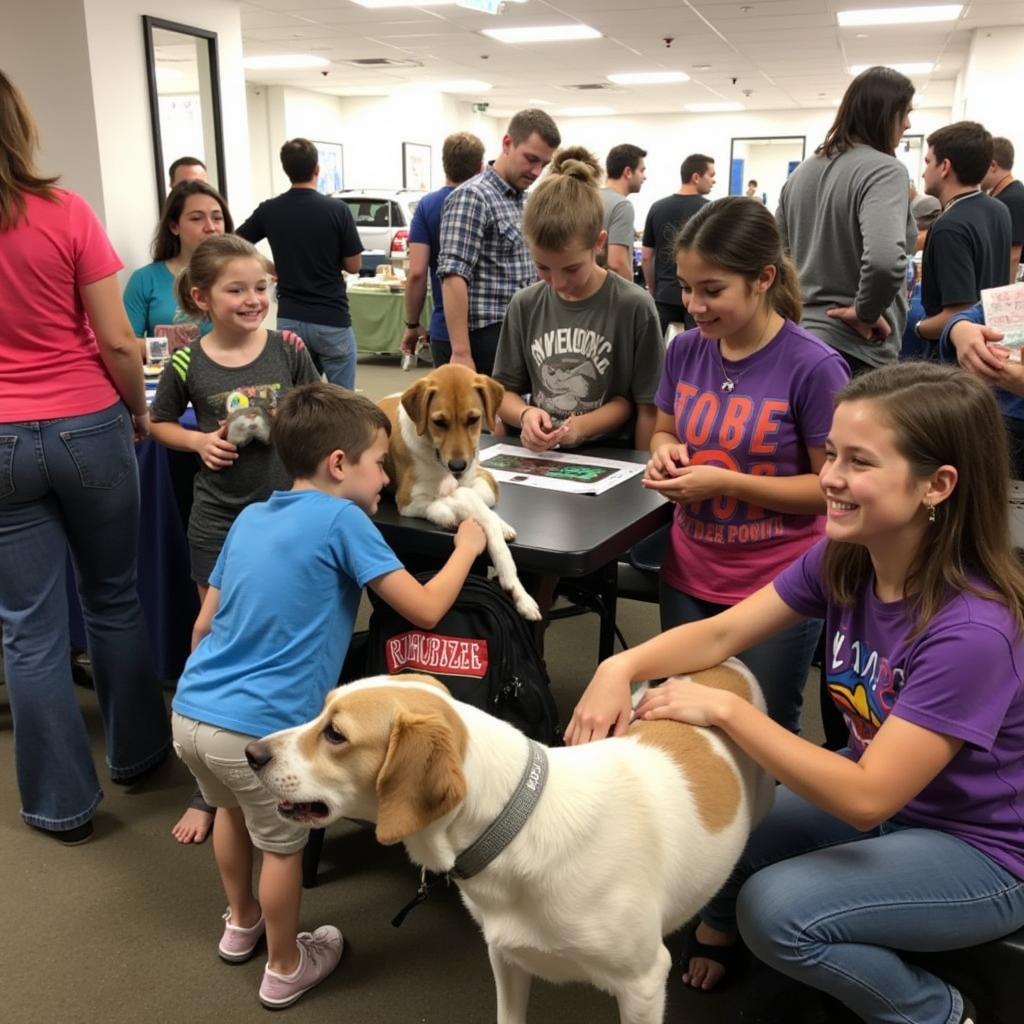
x,y
649,77
701,67
922,68
585,111
284,62
713,108
899,15
539,103
461,85
542,34
402,3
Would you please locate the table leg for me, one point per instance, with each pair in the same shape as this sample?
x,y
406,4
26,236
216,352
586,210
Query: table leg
x,y
609,590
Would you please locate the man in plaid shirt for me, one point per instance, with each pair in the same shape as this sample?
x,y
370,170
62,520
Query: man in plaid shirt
x,y
483,258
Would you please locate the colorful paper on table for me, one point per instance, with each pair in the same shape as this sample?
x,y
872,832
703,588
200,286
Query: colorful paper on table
x,y
1004,311
569,472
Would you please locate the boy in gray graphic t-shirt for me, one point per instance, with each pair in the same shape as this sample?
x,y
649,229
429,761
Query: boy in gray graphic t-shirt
x,y
572,358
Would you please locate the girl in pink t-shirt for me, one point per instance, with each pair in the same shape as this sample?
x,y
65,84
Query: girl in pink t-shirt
x,y
744,407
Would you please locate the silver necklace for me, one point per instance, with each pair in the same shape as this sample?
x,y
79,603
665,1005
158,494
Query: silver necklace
x,y
729,383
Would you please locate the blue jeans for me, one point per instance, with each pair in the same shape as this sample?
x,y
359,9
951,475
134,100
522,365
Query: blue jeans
x,y
829,906
780,663
333,349
74,483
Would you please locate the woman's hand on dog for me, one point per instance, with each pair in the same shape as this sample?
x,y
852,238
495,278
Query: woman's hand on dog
x,y
604,709
216,451
683,700
470,534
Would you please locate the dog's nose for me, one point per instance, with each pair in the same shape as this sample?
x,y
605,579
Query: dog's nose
x,y
258,754
456,466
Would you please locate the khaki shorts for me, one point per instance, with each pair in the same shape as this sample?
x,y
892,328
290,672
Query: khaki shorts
x,y
216,758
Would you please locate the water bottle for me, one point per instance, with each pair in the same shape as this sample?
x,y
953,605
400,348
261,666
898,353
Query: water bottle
x,y
408,360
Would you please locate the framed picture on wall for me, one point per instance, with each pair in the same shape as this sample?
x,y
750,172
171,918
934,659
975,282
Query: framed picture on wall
x,y
332,173
416,166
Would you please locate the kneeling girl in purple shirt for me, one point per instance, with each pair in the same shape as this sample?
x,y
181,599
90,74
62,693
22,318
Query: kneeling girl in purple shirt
x,y
912,838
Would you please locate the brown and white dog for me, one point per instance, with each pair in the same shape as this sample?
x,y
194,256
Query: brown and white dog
x,y
434,462
628,839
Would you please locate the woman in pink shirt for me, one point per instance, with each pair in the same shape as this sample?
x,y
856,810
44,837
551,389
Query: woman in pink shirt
x,y
71,397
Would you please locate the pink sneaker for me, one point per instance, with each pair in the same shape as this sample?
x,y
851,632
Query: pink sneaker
x,y
319,954
238,944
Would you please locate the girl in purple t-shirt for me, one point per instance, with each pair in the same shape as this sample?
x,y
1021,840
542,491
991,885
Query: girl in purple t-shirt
x,y
913,837
744,406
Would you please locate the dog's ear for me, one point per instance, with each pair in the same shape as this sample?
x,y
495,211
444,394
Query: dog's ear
x,y
491,394
421,779
416,402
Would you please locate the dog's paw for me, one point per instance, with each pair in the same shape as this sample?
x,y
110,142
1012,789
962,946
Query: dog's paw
x,y
507,530
447,487
526,606
440,513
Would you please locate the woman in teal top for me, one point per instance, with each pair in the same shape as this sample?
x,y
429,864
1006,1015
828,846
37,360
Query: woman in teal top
x,y
193,211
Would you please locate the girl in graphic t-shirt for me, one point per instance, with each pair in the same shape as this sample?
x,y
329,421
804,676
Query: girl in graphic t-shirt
x,y
912,838
582,344
744,406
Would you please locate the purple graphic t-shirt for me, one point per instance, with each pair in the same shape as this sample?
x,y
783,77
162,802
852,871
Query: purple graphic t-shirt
x,y
780,404
961,676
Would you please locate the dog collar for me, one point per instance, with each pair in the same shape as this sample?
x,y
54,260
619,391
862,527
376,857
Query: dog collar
x,y
508,824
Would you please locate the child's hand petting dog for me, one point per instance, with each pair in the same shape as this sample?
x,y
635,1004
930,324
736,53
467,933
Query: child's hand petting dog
x,y
471,534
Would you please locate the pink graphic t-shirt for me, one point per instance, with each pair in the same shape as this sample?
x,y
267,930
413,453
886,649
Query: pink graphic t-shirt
x,y
723,549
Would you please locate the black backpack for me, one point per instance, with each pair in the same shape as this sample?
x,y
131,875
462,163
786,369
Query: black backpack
x,y
482,650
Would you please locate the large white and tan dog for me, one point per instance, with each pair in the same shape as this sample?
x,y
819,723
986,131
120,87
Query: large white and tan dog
x,y
629,838
434,462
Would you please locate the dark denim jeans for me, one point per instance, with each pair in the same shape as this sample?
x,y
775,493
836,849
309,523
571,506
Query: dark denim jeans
x,y
73,483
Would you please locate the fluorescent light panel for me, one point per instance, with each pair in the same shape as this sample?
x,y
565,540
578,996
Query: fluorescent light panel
x,y
542,34
649,77
413,3
713,108
921,68
899,15
284,62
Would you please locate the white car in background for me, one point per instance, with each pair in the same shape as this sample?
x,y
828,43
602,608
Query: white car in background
x,y
382,219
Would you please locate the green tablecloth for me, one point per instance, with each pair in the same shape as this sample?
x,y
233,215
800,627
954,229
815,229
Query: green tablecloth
x,y
378,318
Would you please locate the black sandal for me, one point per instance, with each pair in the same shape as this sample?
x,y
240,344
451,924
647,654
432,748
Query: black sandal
x,y
729,958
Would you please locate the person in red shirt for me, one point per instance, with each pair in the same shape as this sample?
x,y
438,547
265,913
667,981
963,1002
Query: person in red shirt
x,y
71,399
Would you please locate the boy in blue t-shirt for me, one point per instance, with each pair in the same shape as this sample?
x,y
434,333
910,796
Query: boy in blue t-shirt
x,y
269,644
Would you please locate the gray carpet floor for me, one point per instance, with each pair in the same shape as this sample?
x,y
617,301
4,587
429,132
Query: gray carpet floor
x,y
124,929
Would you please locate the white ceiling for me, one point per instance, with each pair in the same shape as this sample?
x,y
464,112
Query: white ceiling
x,y
788,53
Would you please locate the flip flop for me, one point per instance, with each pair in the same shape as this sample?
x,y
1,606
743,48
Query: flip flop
x,y
729,958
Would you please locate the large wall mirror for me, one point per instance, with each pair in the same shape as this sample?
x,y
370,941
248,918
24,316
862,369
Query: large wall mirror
x,y
910,153
768,161
184,98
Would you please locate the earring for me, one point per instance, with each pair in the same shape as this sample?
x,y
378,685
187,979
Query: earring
x,y
931,513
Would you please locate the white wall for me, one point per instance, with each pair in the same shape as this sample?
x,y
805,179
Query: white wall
x,y
669,138
371,131
991,86
121,98
61,103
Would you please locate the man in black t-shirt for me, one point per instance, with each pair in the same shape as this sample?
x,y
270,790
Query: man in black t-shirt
x,y
664,219
968,246
313,239
1001,184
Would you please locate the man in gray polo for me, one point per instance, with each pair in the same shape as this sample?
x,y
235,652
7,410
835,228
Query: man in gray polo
x,y
626,172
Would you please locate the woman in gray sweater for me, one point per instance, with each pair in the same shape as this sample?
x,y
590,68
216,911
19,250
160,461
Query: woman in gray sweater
x,y
844,214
